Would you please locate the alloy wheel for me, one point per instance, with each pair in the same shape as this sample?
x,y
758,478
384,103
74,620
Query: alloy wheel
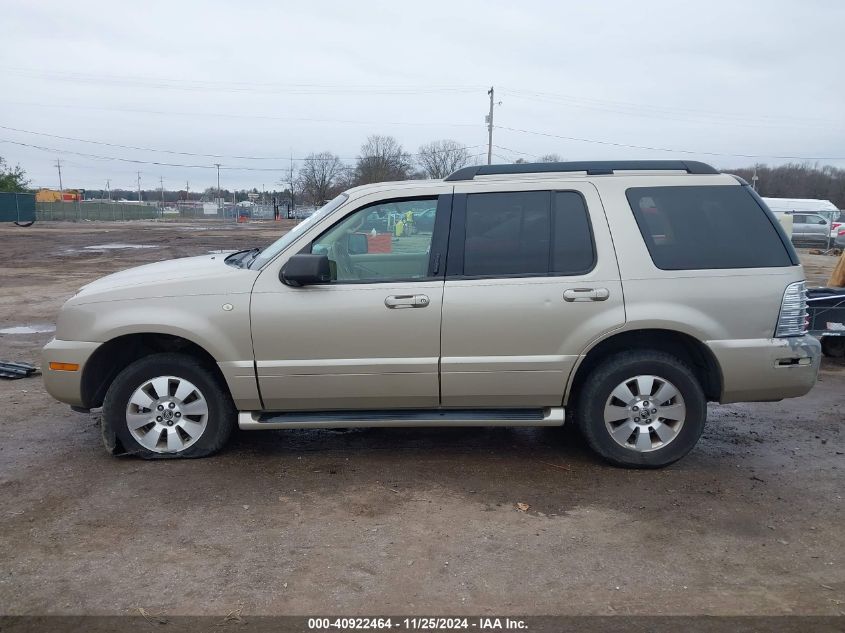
x,y
167,414
644,413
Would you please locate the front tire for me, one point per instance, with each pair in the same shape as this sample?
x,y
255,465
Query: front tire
x,y
641,409
168,405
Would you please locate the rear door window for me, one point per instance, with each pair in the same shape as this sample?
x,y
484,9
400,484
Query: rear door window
x,y
694,228
507,234
527,233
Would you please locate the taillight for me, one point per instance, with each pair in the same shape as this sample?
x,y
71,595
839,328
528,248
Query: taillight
x,y
842,232
793,319
835,225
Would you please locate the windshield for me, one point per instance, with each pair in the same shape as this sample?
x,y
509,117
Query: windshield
x,y
283,242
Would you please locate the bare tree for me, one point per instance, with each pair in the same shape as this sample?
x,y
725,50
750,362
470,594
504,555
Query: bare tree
x,y
797,180
548,158
319,175
382,158
438,159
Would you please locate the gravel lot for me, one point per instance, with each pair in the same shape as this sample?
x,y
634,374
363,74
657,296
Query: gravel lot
x,y
397,521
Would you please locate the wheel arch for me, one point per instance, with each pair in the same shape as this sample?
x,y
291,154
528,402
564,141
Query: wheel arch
x,y
113,356
685,347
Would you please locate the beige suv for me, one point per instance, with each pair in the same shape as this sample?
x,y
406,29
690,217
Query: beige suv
x,y
621,295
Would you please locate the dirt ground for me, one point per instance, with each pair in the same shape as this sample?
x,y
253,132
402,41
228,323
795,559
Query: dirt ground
x,y
397,521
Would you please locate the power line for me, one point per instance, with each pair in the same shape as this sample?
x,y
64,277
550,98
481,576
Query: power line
x,y
230,115
516,151
652,109
666,149
98,157
242,86
167,151
164,164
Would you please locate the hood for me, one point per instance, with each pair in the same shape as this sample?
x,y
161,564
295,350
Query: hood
x,y
203,275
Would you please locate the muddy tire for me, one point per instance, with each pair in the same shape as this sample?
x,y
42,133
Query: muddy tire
x,y
641,409
167,405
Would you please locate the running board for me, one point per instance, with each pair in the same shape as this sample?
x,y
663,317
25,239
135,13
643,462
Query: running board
x,y
255,420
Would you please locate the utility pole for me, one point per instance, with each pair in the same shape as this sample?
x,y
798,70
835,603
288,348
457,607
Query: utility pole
x,y
139,186
108,190
219,195
161,182
490,129
61,187
290,182
754,179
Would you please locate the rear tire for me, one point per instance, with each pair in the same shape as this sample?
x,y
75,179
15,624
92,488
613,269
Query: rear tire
x,y
641,409
168,405
833,346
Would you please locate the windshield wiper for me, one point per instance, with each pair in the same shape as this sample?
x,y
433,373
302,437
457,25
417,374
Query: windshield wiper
x,y
238,257
250,256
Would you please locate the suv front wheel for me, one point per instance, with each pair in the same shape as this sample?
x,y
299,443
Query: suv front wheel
x,y
641,409
167,405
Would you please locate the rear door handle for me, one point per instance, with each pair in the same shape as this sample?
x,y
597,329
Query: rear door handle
x,y
586,294
407,301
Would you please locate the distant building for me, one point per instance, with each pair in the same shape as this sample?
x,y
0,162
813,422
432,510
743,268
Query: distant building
x,y
52,195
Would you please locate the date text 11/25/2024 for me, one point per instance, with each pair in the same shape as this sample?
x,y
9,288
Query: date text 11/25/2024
x,y
416,624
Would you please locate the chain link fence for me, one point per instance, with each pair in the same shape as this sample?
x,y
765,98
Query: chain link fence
x,y
82,211
93,211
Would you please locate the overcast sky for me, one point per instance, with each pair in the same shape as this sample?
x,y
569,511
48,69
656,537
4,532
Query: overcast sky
x,y
270,79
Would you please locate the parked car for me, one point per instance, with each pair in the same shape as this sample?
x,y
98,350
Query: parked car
x,y
622,296
837,230
810,229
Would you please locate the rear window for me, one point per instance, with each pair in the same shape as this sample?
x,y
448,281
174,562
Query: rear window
x,y
694,228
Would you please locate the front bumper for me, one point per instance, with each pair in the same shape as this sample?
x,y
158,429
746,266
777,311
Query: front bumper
x,y
66,386
755,370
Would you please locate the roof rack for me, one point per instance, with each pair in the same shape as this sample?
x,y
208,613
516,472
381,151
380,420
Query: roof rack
x,y
593,168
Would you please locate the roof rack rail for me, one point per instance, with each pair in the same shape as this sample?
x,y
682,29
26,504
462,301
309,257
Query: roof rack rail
x,y
593,168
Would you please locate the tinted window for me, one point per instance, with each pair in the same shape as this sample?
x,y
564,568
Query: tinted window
x,y
573,252
527,233
688,228
507,233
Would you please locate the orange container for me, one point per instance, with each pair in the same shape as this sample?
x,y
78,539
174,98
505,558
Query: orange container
x,y
379,243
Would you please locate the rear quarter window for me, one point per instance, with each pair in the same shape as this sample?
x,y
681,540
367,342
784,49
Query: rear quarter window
x,y
694,228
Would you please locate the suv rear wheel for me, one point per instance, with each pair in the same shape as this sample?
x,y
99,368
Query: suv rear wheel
x,y
168,405
641,409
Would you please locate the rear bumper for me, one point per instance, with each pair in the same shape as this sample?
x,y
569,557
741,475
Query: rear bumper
x,y
66,386
767,369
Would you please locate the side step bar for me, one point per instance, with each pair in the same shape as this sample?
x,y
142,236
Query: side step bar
x,y
254,420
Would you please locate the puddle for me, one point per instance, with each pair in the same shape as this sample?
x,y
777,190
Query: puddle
x,y
117,246
28,329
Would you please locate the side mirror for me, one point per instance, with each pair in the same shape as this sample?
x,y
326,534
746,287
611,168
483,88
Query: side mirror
x,y
306,270
822,221
356,244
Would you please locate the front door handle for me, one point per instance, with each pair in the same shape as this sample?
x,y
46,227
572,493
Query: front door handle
x,y
586,294
407,301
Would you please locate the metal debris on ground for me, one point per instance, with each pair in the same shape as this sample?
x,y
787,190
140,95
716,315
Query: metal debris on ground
x,y
12,370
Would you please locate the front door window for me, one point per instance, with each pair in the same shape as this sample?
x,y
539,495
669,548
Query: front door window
x,y
388,241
